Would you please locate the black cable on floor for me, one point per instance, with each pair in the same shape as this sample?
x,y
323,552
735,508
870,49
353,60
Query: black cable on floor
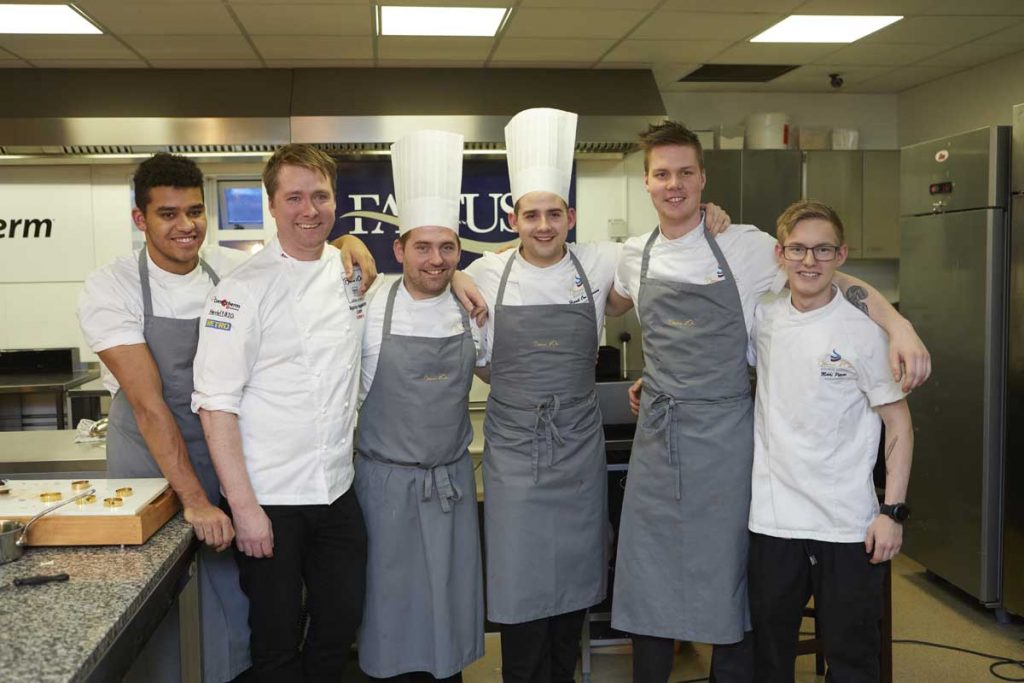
x,y
1000,660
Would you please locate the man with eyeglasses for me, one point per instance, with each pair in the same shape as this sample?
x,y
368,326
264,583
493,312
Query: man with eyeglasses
x,y
681,567
823,390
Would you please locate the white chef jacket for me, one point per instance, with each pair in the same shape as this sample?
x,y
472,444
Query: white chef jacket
x,y
286,361
110,309
555,284
689,259
438,316
815,434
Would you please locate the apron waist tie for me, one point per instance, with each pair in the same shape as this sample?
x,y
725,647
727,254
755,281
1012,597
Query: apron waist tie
x,y
544,427
447,490
660,418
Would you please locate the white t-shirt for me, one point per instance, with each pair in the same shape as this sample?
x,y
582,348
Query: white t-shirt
x,y
439,316
689,259
287,363
556,284
110,309
815,434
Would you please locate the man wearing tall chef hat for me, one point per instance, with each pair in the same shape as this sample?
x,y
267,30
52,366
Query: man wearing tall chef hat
x,y
681,569
140,314
424,614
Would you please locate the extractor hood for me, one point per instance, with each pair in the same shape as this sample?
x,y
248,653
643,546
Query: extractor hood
x,y
73,112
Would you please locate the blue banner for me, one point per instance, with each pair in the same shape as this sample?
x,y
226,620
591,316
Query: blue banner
x,y
366,208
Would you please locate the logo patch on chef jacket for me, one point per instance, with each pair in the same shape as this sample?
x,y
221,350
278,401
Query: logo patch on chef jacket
x,y
226,305
577,292
218,325
834,367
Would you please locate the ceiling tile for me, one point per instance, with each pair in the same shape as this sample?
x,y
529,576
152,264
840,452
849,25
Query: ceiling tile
x,y
568,23
732,5
885,7
881,54
65,47
664,25
319,63
324,47
937,30
536,66
1014,35
901,79
13,64
192,47
206,63
775,53
431,48
163,19
364,3
648,51
591,4
975,7
972,54
89,63
817,77
301,19
565,50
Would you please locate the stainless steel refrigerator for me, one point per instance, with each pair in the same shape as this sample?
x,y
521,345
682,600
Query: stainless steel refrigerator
x,y
1013,535
953,288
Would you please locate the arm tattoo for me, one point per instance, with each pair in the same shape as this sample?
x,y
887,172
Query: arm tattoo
x,y
857,296
890,448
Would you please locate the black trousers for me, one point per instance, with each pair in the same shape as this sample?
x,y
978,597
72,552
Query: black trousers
x,y
653,658
847,592
543,650
417,677
321,547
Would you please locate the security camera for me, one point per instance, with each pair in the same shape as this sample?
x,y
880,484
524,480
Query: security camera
x,y
835,80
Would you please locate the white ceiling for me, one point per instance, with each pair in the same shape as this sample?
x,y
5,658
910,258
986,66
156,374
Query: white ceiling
x,y
671,37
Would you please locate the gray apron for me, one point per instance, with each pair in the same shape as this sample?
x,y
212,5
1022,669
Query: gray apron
x,y
225,609
415,483
681,569
545,477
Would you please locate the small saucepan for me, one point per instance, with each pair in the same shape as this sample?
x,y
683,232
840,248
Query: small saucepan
x,y
14,533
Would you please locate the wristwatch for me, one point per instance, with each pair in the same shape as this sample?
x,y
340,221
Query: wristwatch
x,y
898,511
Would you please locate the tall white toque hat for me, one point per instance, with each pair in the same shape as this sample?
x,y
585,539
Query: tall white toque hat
x,y
427,169
540,145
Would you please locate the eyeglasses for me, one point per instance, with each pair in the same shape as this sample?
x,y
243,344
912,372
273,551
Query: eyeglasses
x,y
822,252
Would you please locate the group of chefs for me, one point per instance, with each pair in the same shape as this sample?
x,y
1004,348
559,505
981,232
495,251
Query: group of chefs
x,y
238,380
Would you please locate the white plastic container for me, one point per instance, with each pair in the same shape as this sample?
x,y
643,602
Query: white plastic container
x,y
845,138
768,131
729,137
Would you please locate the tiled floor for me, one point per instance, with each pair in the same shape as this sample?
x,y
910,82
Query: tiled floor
x,y
923,609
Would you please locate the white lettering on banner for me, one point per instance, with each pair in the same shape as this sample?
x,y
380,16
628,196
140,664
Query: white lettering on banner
x,y
31,227
357,205
500,207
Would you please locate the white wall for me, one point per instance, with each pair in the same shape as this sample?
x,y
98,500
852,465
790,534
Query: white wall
x,y
978,97
875,116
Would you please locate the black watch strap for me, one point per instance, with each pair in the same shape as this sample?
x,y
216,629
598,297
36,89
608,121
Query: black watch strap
x,y
897,511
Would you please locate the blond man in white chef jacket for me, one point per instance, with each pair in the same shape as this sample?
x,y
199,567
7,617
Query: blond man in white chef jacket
x,y
276,388
424,616
823,390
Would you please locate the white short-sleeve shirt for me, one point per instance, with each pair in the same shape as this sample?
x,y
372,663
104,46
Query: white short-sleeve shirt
x,y
438,316
555,284
110,308
287,363
749,252
816,436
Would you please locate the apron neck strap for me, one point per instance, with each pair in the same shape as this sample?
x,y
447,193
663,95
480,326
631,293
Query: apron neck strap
x,y
504,278
147,292
390,307
575,263
647,252
719,256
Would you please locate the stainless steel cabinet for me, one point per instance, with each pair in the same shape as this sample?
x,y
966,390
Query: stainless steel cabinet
x,y
836,178
754,186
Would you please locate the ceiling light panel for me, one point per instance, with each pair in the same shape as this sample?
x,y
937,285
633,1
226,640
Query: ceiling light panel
x,y
807,28
441,21
43,19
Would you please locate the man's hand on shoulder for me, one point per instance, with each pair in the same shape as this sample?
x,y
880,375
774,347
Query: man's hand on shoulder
x,y
211,525
716,220
353,251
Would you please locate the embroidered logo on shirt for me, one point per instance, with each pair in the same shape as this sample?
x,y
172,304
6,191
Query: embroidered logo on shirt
x,y
224,303
577,292
218,325
681,323
834,367
220,314
546,343
434,378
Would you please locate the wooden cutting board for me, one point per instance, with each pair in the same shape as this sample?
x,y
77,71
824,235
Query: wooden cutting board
x,y
148,507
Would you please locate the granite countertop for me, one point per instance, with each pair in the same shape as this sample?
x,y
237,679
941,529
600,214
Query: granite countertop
x,y
62,631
